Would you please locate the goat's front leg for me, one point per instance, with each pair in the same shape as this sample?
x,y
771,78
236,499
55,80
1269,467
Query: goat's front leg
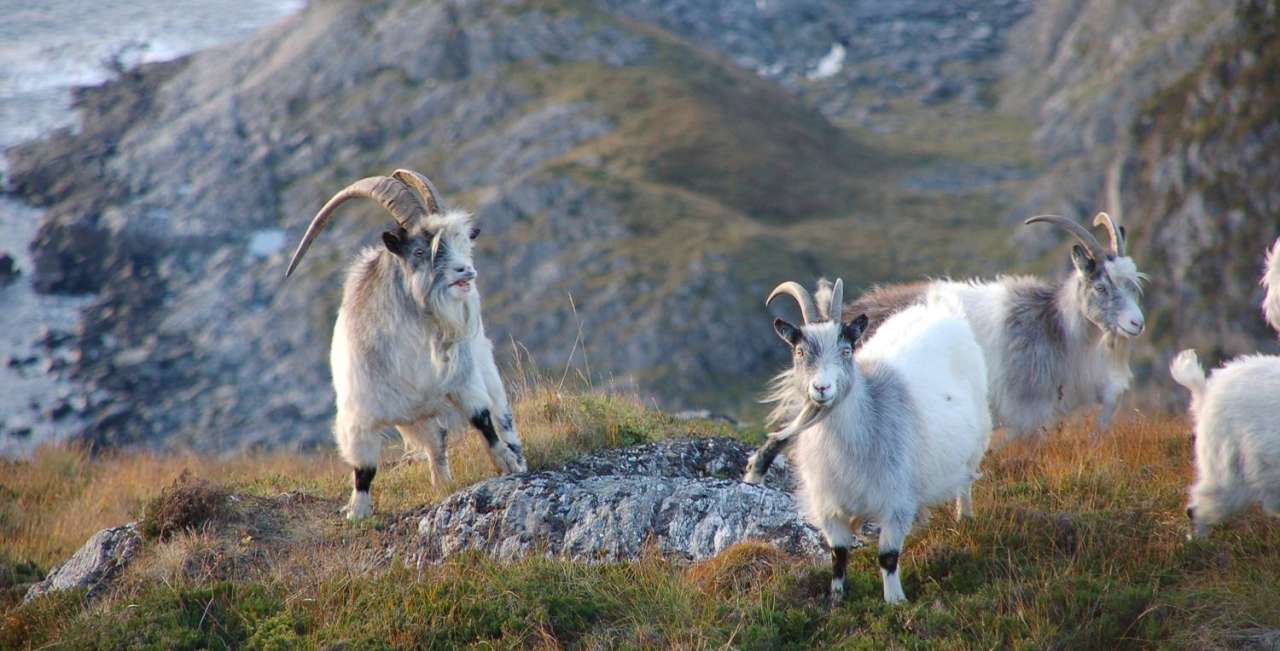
x,y
429,435
473,401
500,408
1110,403
839,535
893,532
759,462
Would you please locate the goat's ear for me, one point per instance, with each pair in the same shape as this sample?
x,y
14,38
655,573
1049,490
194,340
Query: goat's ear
x,y
1080,258
787,332
853,330
395,240
475,232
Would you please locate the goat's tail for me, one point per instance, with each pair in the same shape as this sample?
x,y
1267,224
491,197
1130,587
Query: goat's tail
x,y
1186,370
1271,280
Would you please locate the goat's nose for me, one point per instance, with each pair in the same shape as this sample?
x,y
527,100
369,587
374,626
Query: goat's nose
x,y
1138,324
822,388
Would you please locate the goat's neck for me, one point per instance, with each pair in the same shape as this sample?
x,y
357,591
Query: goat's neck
x,y
1079,331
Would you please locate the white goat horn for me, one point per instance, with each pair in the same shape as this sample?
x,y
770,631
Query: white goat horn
x,y
1117,238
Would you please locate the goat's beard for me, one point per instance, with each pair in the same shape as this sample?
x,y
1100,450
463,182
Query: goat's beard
x,y
457,317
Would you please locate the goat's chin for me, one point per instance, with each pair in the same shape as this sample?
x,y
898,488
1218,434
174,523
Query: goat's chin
x,y
457,313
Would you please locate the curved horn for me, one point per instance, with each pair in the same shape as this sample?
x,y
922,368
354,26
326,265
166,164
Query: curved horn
x,y
1086,238
1117,237
389,192
793,289
423,186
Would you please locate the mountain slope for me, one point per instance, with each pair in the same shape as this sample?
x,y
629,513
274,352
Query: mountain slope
x,y
639,196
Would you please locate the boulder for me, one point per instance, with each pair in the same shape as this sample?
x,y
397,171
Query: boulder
x,y
683,497
94,564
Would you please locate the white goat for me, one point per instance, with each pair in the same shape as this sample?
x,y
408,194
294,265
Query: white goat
x,y
901,426
1237,433
409,344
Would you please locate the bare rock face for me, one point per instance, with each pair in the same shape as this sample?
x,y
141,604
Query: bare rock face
x,y
668,495
94,565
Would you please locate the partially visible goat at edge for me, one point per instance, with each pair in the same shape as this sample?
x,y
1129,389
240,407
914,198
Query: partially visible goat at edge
x,y
899,427
408,345
1237,425
1050,347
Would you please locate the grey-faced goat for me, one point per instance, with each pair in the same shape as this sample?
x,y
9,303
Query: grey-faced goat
x,y
409,344
898,427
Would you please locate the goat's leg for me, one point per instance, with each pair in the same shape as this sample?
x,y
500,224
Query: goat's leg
x,y
429,435
760,461
839,536
499,406
361,447
964,503
893,532
473,401
1110,403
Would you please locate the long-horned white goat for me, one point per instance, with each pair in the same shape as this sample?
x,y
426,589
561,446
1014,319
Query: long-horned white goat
x,y
409,344
1237,425
898,427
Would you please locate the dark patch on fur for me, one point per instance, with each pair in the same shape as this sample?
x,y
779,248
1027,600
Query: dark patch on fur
x,y
507,422
882,302
889,561
364,478
1037,346
483,422
839,561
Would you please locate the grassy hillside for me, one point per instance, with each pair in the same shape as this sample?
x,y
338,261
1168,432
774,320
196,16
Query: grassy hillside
x,y
1073,546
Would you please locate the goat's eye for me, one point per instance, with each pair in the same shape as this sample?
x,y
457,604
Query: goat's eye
x,y
419,252
1101,288
846,353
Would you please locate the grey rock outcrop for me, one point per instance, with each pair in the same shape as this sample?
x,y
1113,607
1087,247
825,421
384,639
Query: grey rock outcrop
x,y
94,565
666,495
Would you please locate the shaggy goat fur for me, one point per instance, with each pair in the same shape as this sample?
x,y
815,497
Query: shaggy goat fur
x,y
1237,425
409,349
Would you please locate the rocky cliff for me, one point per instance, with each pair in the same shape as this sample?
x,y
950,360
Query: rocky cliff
x,y
639,195
644,173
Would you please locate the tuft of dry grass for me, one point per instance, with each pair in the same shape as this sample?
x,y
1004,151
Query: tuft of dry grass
x,y
186,504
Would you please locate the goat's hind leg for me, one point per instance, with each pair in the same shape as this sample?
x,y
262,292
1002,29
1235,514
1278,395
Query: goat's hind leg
x,y
429,435
360,447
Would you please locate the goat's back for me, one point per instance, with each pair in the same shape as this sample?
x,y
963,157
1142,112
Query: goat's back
x,y
1238,422
932,348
